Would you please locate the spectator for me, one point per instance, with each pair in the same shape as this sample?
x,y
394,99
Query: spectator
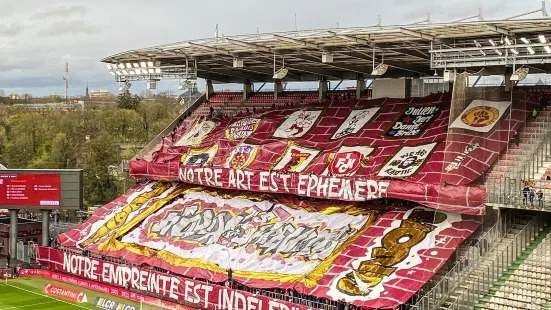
x,y
532,196
525,192
517,139
9,258
230,275
247,110
540,198
534,114
254,109
273,105
211,109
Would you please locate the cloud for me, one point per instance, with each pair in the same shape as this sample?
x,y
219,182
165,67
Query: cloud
x,y
37,36
64,28
11,30
61,12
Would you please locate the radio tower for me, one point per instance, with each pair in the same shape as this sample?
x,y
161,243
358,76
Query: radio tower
x,y
66,79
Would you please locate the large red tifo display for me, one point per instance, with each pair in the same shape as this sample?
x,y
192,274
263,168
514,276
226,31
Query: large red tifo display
x,y
355,150
30,190
371,255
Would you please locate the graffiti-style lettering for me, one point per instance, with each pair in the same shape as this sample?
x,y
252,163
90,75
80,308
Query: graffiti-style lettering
x,y
121,217
395,247
269,232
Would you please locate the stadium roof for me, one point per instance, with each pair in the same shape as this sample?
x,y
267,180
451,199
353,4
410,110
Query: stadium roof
x,y
409,50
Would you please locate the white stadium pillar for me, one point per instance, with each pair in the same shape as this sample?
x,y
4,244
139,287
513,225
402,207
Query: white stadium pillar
x,y
13,233
360,87
322,89
278,88
247,89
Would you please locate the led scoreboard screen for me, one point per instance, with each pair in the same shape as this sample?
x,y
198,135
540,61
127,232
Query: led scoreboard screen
x,y
30,190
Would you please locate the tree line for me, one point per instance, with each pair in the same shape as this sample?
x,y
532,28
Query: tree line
x,y
95,139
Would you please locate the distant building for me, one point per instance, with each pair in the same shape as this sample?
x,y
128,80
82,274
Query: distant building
x,y
99,94
87,96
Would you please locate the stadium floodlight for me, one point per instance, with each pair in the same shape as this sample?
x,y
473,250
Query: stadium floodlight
x,y
542,39
237,63
128,65
507,41
109,67
150,64
479,45
547,49
526,41
514,51
121,66
124,72
187,84
280,74
492,42
520,74
125,87
118,72
144,71
112,73
136,65
131,72
531,50
151,70
380,70
498,52
143,64
158,70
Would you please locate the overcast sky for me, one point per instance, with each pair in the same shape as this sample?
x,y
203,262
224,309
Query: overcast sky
x,y
37,36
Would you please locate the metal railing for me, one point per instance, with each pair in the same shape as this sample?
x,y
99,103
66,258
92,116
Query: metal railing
x,y
503,259
508,192
463,266
59,228
532,157
26,253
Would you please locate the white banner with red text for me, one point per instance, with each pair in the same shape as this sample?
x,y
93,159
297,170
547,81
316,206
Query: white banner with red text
x,y
193,293
100,287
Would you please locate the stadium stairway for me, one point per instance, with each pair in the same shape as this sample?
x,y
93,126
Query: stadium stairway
x,y
525,284
511,161
477,283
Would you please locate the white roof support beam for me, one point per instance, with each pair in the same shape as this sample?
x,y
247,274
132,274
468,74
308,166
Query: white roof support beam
x,y
251,45
299,42
355,39
417,34
212,49
499,30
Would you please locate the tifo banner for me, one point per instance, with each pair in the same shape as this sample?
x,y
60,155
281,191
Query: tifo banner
x,y
198,294
65,293
100,287
335,250
483,122
395,148
481,115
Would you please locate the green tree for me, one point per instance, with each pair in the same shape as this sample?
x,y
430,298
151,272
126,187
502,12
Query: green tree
x,y
99,185
125,100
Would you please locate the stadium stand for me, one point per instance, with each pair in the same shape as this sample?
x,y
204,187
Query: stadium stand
x,y
123,241
408,197
524,285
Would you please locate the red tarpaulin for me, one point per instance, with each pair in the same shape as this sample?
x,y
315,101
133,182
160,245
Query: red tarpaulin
x,y
370,255
355,150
